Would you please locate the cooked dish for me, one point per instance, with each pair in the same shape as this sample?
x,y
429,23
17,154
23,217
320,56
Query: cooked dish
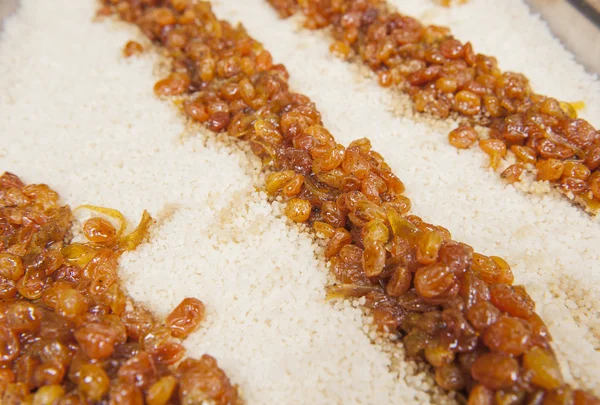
x,y
73,336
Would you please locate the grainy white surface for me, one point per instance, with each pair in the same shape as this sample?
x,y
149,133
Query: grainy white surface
x,y
73,114
552,246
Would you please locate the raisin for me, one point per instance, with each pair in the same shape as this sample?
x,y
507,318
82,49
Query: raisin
x,y
495,370
99,230
508,335
543,368
186,317
132,48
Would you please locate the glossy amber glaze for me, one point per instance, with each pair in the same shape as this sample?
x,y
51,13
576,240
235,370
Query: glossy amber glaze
x,y
68,333
452,307
444,76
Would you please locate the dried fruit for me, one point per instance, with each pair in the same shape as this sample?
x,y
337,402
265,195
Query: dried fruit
x,y
139,370
47,395
435,281
9,346
298,210
482,315
495,370
462,137
174,84
495,149
186,317
450,377
67,338
96,339
512,173
202,380
11,266
399,283
132,48
551,169
161,391
508,335
443,75
543,368
93,381
99,230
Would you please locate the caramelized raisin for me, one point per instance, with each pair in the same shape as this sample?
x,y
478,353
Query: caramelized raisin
x,y
186,317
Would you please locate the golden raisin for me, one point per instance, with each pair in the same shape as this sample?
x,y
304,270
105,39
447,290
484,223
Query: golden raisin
x,y
574,185
9,348
99,230
196,110
47,395
462,137
399,283
341,237
202,380
512,173
495,370
375,231
480,395
161,391
438,354
450,377
435,281
173,85
508,335
138,370
11,266
511,300
132,48
294,186
32,284
524,154
186,317
446,84
298,210
551,169
96,339
576,170
123,393
594,185
492,105
93,381
23,317
486,268
467,102
323,228
482,314
374,259
495,149
543,368
505,274
277,180
428,247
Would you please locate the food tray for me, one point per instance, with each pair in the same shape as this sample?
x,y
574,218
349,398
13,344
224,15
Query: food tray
x,y
577,24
